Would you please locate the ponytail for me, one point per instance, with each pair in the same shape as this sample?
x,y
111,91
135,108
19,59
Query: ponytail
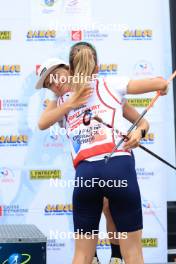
x,y
83,61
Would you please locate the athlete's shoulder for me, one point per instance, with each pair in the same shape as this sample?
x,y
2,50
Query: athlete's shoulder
x,y
117,79
117,83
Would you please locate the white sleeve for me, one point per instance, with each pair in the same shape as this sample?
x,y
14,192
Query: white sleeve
x,y
118,85
51,96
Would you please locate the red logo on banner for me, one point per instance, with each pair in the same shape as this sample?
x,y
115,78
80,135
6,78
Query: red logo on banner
x,y
0,105
37,68
1,210
76,35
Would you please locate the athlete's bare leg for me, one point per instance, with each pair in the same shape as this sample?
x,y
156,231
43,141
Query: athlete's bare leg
x,y
85,249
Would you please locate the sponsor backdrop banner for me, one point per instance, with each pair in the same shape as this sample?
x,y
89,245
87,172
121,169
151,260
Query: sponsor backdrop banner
x,y
132,38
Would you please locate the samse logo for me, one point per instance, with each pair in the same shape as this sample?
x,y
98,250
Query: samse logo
x,y
41,35
138,34
13,140
59,209
108,69
7,69
149,139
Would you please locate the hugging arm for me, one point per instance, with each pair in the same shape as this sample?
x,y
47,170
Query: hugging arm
x,y
147,85
131,114
54,113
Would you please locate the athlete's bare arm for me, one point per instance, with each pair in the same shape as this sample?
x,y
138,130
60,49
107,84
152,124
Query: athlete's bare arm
x,y
147,85
131,114
54,113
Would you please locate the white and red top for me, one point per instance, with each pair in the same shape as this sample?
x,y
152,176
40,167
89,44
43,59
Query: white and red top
x,y
94,141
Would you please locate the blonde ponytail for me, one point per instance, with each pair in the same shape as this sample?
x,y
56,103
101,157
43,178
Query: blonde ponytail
x,y
83,66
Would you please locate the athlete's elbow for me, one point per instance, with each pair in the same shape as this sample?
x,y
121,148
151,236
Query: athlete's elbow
x,y
41,125
161,83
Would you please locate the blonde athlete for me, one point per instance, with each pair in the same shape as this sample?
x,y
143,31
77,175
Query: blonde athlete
x,y
84,250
